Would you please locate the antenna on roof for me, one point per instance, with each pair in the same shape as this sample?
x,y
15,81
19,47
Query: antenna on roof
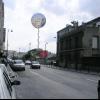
x,y
75,23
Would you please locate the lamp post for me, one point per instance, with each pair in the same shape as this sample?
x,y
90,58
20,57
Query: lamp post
x,y
45,52
55,37
56,51
8,31
19,50
46,45
7,42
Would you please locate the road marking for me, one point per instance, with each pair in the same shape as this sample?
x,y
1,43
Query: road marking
x,y
92,80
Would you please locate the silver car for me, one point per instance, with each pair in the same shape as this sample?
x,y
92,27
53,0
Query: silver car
x,y
6,86
18,65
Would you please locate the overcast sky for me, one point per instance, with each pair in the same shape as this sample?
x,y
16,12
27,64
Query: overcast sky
x,y
58,13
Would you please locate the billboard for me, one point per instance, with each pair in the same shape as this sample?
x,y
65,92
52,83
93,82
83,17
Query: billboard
x,y
44,54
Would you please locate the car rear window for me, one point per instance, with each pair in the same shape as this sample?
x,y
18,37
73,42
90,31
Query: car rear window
x,y
18,61
35,62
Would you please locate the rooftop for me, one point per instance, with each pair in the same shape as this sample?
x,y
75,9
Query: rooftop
x,y
72,28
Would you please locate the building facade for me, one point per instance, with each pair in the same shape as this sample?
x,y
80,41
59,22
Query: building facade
x,y
2,29
14,54
79,46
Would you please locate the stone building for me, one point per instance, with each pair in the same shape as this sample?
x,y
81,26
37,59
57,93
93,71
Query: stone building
x,y
2,29
79,45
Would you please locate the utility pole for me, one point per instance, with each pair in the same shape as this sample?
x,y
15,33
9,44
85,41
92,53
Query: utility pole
x,y
38,39
45,52
7,42
29,46
19,52
46,46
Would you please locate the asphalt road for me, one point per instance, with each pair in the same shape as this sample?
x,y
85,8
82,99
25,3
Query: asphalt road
x,y
48,83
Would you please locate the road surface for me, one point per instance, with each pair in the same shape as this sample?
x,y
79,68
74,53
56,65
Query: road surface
x,y
48,83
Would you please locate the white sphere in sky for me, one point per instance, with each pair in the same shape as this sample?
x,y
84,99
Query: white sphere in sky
x,y
38,20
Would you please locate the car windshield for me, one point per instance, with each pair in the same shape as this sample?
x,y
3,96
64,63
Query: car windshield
x,y
28,61
35,62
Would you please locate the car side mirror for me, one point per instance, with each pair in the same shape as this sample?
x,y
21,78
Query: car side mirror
x,y
15,83
12,76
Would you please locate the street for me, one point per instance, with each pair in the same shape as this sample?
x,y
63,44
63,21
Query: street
x,y
48,83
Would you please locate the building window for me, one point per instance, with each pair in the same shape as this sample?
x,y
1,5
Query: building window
x,y
76,42
95,42
61,58
70,43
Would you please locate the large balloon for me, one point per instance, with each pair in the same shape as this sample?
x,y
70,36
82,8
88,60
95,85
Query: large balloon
x,y
38,20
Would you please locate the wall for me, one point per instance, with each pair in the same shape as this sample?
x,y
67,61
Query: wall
x,y
87,40
2,30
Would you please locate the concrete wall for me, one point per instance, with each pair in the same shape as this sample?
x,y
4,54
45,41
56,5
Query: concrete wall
x,y
89,33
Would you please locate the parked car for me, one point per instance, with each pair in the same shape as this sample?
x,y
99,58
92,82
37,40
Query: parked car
x,y
28,62
35,65
8,69
7,90
11,74
18,65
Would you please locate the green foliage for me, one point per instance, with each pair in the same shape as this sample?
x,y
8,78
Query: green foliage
x,y
32,54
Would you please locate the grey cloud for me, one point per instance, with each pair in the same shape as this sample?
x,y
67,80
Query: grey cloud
x,y
53,7
10,3
90,6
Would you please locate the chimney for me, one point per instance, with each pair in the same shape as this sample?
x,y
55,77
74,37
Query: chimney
x,y
75,24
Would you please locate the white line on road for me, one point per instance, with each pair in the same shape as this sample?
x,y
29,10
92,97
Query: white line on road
x,y
92,80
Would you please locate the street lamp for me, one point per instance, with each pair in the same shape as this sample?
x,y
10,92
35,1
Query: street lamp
x,y
19,53
45,52
46,45
8,31
55,37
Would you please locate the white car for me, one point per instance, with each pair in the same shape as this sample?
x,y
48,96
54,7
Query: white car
x,y
6,86
35,65
28,62
8,70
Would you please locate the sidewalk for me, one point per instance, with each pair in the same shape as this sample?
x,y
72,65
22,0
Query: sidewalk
x,y
73,70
